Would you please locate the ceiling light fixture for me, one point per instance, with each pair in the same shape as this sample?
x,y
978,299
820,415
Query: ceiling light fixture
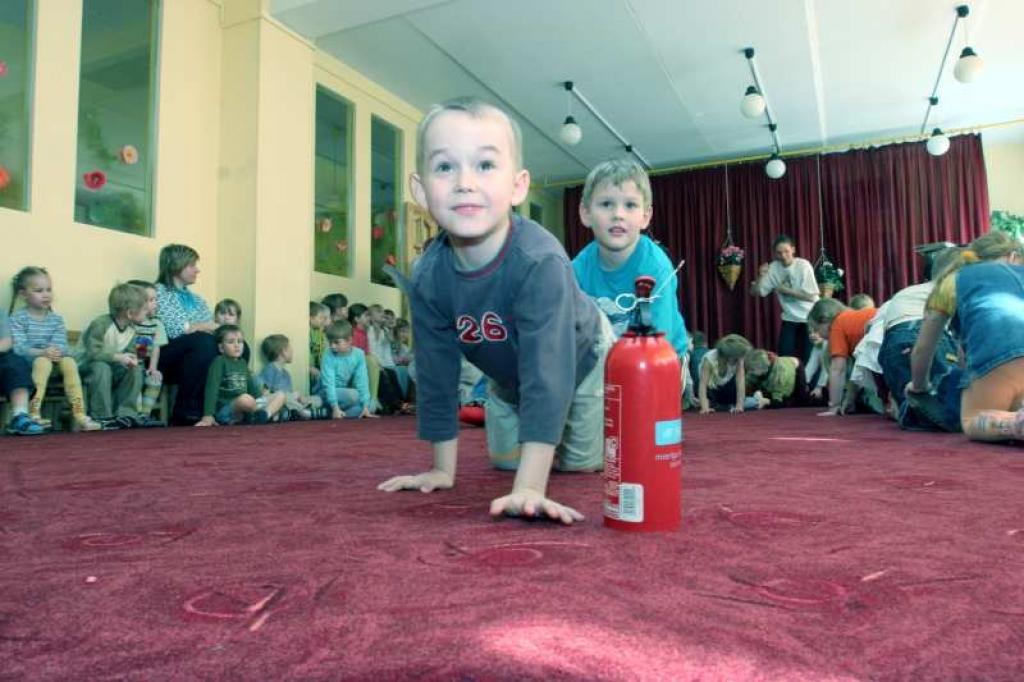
x,y
570,123
938,143
754,104
571,133
969,67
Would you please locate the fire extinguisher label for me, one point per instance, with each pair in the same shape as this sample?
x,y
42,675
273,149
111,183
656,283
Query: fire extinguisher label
x,y
668,432
631,502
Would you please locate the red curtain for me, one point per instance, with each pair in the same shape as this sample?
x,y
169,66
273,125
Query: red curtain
x,y
877,204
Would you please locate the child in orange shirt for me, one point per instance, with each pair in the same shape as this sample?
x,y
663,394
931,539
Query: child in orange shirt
x,y
844,328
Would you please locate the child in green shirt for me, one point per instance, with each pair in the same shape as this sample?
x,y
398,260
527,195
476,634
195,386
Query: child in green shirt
x,y
232,393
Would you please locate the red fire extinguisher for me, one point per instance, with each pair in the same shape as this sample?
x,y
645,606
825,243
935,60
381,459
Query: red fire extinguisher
x,y
643,427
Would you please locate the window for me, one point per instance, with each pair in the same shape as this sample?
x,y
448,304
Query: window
x,y
15,86
332,177
116,141
385,198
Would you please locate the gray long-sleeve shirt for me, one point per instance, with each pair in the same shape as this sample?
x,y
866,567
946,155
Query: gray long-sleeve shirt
x,y
521,319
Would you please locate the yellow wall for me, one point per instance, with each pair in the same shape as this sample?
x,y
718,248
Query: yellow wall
x,y
233,174
1004,163
84,260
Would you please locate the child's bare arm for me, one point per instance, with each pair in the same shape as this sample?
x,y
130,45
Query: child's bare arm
x,y
741,386
702,391
529,492
836,385
154,359
924,350
441,477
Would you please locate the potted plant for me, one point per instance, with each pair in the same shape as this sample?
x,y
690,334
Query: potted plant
x,y
730,263
830,278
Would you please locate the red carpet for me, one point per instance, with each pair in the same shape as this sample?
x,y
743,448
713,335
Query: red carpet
x,y
811,549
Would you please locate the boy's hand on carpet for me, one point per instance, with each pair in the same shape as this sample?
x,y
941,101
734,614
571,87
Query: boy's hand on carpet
x,y
426,482
831,412
366,414
206,421
530,503
336,413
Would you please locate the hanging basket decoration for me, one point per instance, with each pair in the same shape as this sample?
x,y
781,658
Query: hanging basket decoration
x,y
325,224
730,257
341,246
829,276
730,263
377,232
5,178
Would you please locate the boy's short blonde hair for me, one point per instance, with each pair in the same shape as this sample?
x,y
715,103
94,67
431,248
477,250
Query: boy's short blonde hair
x,y
758,362
824,311
126,298
616,172
477,108
861,301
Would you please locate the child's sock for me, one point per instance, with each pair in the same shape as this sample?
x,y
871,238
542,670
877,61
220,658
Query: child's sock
x,y
150,395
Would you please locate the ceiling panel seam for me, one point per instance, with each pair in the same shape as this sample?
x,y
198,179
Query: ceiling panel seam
x,y
505,103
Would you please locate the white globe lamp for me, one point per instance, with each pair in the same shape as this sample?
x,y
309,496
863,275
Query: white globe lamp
x,y
752,105
571,133
938,143
775,168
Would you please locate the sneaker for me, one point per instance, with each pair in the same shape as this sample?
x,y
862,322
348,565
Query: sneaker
x,y
22,425
42,421
85,424
260,417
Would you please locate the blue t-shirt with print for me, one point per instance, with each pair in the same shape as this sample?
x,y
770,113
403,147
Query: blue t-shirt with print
x,y
605,286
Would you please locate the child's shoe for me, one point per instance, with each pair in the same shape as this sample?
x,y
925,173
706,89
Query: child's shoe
x,y
85,423
260,417
41,420
23,425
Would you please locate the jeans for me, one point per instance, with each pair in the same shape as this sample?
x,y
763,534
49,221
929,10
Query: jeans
x,y
894,357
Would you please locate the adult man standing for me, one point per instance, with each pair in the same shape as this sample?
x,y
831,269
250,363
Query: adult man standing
x,y
792,280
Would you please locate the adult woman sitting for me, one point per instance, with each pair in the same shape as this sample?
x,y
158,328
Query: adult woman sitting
x,y
185,360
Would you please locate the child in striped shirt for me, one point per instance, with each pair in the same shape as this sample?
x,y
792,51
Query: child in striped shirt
x,y
41,338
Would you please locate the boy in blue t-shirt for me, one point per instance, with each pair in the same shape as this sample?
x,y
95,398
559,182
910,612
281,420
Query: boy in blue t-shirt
x,y
616,206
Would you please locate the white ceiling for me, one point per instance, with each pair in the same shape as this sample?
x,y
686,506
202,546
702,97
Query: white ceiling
x,y
669,74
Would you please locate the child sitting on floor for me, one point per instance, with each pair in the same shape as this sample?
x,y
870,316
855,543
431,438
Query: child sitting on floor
x,y
232,393
16,384
150,337
346,386
275,378
110,361
40,338
229,311
319,318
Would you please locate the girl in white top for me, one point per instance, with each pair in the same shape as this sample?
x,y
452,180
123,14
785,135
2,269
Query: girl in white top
x,y
723,375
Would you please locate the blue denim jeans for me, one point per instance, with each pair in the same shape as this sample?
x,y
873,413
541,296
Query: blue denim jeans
x,y
894,357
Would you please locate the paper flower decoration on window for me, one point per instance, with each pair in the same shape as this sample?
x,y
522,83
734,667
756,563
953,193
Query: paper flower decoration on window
x,y
325,225
3,69
390,259
377,232
341,246
129,155
730,255
5,178
95,179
